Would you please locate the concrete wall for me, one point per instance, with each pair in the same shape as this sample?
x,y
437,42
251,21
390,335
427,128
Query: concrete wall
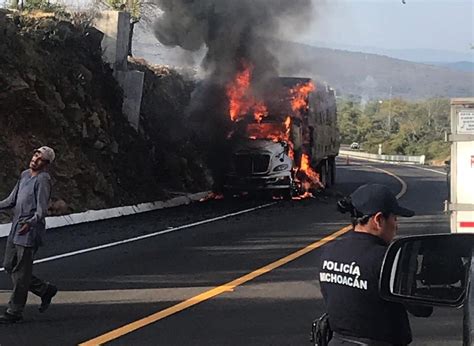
x,y
420,160
116,28
132,85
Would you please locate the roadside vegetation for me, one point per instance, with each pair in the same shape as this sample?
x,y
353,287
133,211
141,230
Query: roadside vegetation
x,y
402,127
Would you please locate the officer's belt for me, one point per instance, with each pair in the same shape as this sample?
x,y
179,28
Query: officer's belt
x,y
360,341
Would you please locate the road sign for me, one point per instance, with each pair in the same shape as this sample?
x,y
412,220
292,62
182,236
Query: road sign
x,y
466,122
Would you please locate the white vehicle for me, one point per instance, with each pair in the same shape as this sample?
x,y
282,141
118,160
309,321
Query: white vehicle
x,y
461,204
355,146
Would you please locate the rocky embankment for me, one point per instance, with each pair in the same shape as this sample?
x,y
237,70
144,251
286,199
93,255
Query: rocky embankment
x,y
55,90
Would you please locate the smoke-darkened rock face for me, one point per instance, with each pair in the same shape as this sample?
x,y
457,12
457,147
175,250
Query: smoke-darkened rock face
x,y
236,33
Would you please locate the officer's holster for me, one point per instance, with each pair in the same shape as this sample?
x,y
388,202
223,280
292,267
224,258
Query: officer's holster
x,y
321,332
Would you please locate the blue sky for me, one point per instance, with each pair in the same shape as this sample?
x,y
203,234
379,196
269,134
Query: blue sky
x,y
389,24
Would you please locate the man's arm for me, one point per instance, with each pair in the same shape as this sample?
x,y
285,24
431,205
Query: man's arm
x,y
10,201
42,199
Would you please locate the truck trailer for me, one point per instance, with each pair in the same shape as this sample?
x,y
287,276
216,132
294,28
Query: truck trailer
x,y
291,150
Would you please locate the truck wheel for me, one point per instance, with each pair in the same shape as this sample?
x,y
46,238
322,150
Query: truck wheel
x,y
229,194
332,170
287,194
323,174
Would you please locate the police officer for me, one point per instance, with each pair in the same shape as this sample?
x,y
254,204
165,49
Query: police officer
x,y
350,269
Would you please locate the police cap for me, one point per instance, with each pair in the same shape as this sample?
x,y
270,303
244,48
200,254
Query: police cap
x,y
370,199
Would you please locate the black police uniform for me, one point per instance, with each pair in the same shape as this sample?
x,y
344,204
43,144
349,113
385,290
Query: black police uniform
x,y
349,277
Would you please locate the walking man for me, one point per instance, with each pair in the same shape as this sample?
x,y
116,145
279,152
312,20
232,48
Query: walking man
x,y
29,201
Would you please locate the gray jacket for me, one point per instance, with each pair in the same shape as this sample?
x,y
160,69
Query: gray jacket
x,y
29,200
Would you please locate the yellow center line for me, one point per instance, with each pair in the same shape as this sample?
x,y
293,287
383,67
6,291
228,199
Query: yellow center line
x,y
128,328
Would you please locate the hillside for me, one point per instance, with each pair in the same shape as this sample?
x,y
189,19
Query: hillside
x,y
465,66
422,55
372,76
369,76
55,90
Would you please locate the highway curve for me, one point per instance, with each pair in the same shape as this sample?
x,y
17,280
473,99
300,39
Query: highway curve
x,y
180,287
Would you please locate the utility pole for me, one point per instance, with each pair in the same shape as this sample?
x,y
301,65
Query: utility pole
x,y
390,112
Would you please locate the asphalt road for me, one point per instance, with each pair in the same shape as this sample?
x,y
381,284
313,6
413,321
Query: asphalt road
x,y
105,289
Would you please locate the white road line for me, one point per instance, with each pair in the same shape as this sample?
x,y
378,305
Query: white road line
x,y
402,182
130,240
218,290
174,229
401,164
404,185
426,169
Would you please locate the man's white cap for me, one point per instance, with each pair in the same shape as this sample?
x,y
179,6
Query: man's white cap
x,y
46,153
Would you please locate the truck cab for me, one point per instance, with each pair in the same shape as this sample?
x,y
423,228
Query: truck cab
x,y
260,165
292,149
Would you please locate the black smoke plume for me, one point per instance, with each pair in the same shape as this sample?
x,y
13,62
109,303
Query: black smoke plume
x,y
235,32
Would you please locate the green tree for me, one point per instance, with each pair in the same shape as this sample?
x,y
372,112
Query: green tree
x,y
134,7
402,127
42,5
348,120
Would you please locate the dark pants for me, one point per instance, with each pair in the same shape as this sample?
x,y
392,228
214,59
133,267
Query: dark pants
x,y
18,263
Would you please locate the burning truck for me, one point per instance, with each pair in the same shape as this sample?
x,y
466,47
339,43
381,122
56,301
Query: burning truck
x,y
285,140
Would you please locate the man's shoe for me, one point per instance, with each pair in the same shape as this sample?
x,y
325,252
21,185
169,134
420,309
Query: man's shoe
x,y
8,318
47,297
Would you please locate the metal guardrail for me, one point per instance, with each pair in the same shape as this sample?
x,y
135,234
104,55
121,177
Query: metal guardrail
x,y
415,160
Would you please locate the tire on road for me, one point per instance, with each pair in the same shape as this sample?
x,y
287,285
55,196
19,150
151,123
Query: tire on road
x,y
323,173
332,170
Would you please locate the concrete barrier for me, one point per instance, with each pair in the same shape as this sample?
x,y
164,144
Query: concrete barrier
x,y
132,86
415,160
105,214
115,25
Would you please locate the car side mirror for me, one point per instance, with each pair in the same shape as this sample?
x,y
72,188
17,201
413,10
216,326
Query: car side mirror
x,y
429,270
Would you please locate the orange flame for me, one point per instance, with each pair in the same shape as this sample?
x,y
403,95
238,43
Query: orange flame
x,y
271,131
236,92
241,100
291,151
307,177
299,96
306,168
212,195
260,111
242,103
